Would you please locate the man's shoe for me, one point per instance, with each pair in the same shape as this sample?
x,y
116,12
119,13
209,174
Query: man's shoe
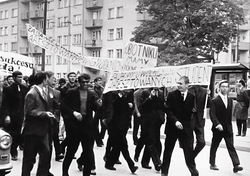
x,y
50,174
79,166
59,157
243,135
146,166
237,169
110,167
134,169
164,174
118,162
158,167
99,145
238,134
93,172
214,167
14,158
135,158
104,158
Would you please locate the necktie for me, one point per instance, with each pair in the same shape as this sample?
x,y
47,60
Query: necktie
x,y
44,94
182,95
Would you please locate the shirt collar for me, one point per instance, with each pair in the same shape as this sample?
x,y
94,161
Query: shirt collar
x,y
222,96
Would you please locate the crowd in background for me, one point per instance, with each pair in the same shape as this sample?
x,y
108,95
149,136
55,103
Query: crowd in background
x,y
42,113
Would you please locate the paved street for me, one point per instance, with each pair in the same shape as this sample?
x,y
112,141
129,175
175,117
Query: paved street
x,y
177,168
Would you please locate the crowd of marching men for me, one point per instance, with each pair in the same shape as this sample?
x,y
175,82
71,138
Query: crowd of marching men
x,y
41,113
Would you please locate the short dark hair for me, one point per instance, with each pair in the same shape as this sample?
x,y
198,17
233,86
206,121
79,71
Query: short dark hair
x,y
9,76
242,82
62,80
49,73
16,73
71,73
83,76
185,78
39,78
97,79
222,81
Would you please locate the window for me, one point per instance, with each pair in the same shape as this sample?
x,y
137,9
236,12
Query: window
x,y
96,15
119,12
59,60
60,22
50,5
58,75
119,33
6,32
39,24
48,60
1,47
6,14
50,24
66,3
119,53
1,15
38,60
96,35
77,39
65,40
5,46
96,53
14,13
1,31
63,3
65,61
59,40
110,53
66,21
60,4
13,29
77,19
110,34
13,46
77,2
111,13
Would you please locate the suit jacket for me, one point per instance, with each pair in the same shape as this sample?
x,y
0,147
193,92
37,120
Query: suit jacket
x,y
13,105
219,114
179,110
36,121
72,103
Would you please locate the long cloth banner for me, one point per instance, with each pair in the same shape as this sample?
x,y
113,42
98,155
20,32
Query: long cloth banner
x,y
38,38
159,77
10,62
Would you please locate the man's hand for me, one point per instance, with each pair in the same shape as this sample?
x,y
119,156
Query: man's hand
x,y
7,120
152,94
78,115
50,114
219,127
138,114
178,125
99,102
130,105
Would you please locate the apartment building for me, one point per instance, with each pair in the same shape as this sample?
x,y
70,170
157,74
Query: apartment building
x,y
99,28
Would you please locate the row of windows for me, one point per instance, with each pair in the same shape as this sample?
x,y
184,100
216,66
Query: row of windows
x,y
118,53
115,12
5,30
117,31
5,46
61,4
5,14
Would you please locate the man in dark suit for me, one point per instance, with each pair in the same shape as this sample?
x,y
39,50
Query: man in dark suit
x,y
37,128
12,111
78,106
179,109
221,117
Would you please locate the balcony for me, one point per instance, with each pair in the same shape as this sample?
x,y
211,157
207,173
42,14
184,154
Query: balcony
x,y
37,14
93,44
37,50
23,33
143,16
24,1
25,16
242,46
245,27
94,4
24,50
91,24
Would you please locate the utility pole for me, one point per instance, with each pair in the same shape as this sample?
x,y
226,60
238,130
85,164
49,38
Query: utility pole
x,y
44,32
69,36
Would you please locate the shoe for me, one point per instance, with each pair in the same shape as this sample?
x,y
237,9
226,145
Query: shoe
x,y
50,174
146,166
93,172
14,158
104,158
243,135
214,167
134,169
158,167
237,169
65,174
79,166
99,145
238,134
110,167
164,174
136,159
118,162
59,157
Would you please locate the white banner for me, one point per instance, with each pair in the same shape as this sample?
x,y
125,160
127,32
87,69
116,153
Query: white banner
x,y
159,77
138,56
10,62
38,38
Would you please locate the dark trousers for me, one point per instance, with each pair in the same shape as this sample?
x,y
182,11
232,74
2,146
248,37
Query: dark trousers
x,y
200,138
185,137
17,139
137,123
32,146
228,137
241,125
56,141
100,133
88,153
121,145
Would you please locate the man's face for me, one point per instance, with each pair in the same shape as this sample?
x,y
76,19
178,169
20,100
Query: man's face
x,y
99,83
84,83
224,88
72,78
182,86
18,79
50,80
10,80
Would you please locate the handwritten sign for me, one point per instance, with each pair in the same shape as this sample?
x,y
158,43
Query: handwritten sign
x,y
10,62
159,77
38,38
138,56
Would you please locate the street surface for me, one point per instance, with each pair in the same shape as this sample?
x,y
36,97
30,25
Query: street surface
x,y
177,167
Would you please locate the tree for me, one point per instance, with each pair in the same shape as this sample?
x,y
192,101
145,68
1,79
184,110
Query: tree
x,y
188,28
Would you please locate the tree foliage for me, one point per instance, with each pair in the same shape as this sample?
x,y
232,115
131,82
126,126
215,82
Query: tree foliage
x,y
188,28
